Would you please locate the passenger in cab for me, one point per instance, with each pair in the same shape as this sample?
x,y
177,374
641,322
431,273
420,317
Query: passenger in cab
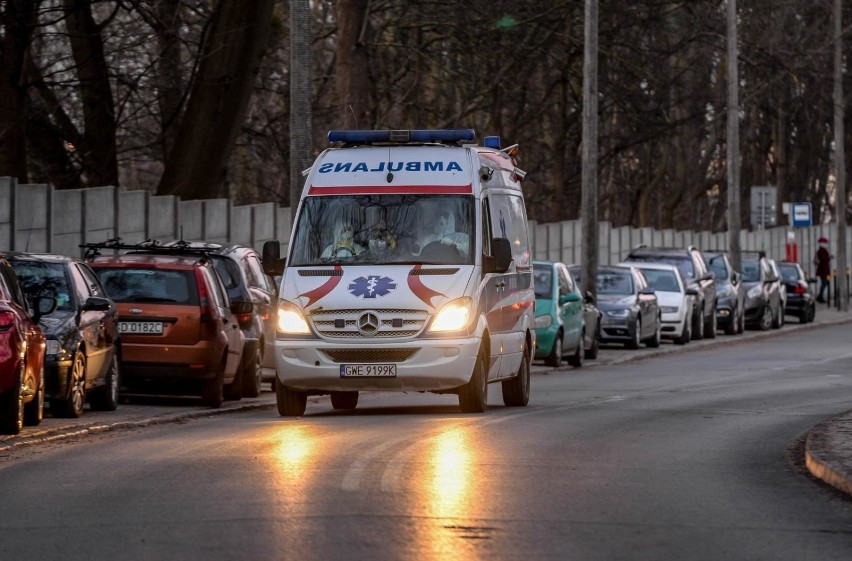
x,y
344,244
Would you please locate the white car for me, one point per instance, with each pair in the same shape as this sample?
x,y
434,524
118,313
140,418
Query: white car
x,y
676,300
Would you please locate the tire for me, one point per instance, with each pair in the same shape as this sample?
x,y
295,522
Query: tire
x,y
516,391
778,319
766,319
711,327
105,398
12,408
34,410
742,321
234,390
576,360
290,403
252,374
698,327
473,396
685,334
555,357
592,352
731,328
72,406
812,313
344,400
637,336
213,391
654,342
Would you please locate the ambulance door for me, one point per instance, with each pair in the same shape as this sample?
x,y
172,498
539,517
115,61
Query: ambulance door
x,y
492,287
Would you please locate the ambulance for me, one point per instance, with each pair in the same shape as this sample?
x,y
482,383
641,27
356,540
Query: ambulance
x,y
409,270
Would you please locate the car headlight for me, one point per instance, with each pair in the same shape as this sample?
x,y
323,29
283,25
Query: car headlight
x,y
291,320
453,316
669,309
618,313
754,292
54,347
543,321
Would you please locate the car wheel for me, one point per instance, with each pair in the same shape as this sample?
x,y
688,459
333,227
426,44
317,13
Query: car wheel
x,y
252,375
592,352
812,313
34,410
741,328
654,341
516,391
731,328
710,329
685,333
344,400
212,390
766,319
12,407
778,319
290,403
72,406
106,398
576,360
555,356
636,340
473,396
698,327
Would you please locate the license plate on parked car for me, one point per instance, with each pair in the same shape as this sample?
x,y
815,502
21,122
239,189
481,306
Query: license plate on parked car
x,y
367,370
140,327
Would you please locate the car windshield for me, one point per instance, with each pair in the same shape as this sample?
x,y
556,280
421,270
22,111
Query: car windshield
x,y
384,229
150,285
682,263
44,279
614,283
751,270
718,267
543,281
664,281
790,273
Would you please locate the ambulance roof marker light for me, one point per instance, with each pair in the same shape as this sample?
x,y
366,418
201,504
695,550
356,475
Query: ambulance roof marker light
x,y
491,142
400,136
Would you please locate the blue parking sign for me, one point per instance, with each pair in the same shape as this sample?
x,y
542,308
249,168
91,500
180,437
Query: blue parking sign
x,y
802,215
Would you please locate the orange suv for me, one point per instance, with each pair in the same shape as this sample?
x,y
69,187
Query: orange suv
x,y
175,320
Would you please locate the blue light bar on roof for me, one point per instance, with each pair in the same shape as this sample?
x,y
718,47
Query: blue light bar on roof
x,y
491,142
433,135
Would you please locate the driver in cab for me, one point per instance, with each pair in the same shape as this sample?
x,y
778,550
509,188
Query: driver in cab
x,y
440,230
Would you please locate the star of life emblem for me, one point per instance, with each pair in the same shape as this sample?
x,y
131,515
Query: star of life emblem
x,y
371,286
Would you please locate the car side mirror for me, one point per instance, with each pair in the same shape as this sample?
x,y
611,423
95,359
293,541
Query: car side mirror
x,y
647,291
736,277
43,306
500,258
96,304
273,263
692,291
241,307
590,298
570,297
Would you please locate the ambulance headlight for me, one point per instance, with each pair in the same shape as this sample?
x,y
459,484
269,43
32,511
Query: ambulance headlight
x,y
291,320
454,316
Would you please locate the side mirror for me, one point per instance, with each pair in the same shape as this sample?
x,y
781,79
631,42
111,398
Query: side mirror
x,y
648,291
501,256
96,304
707,276
589,298
570,297
273,264
241,307
736,277
691,291
43,306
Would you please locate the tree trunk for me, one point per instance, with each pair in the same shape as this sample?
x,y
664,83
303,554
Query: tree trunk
x,y
301,111
170,82
18,18
230,54
353,72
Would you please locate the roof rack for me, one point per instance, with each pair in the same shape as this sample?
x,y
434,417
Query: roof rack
x,y
180,247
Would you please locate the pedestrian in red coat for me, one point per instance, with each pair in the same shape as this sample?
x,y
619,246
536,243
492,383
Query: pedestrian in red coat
x,y
822,260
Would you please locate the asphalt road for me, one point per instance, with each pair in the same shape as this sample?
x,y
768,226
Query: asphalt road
x,y
682,456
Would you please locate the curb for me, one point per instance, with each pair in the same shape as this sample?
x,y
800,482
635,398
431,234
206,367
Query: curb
x,y
827,445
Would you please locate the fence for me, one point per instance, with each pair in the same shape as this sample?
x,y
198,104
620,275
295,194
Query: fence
x,y
39,218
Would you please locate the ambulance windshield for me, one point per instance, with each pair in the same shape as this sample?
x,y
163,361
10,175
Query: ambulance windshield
x,y
384,230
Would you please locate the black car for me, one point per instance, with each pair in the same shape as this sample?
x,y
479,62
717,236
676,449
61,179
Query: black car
x,y
83,343
630,313
730,294
591,314
691,263
764,305
800,298
243,276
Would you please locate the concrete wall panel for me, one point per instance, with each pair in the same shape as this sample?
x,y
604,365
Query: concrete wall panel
x,y
132,213
33,204
241,225
163,218
7,199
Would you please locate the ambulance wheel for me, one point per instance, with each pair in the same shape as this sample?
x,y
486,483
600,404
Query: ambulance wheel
x,y
473,396
291,403
516,391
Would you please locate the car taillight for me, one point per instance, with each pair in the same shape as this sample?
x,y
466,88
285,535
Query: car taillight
x,y
203,297
7,320
244,320
801,288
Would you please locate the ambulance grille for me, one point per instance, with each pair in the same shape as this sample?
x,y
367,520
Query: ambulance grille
x,y
369,355
350,324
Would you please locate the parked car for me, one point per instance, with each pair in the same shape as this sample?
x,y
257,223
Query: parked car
x,y
83,343
175,319
22,351
782,289
675,297
763,304
691,263
242,273
559,322
591,315
801,301
730,293
630,312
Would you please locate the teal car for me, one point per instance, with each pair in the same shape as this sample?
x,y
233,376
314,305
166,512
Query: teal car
x,y
559,322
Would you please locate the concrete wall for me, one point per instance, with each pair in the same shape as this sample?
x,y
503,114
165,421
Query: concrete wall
x,y
38,218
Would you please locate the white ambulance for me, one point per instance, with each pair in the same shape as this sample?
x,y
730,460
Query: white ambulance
x,y
409,269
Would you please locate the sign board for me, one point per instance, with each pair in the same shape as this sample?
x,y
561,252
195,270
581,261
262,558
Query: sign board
x,y
801,216
764,206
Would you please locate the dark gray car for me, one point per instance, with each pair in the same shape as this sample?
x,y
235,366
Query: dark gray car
x,y
730,293
629,310
764,305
